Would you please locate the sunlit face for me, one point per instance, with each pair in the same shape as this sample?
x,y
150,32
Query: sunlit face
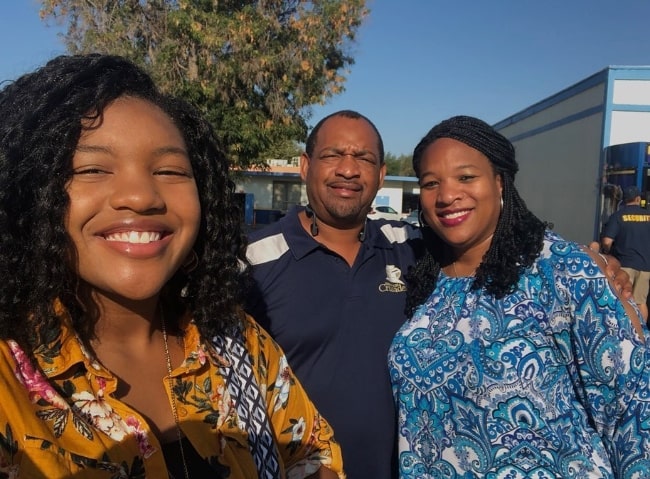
x,y
460,195
134,208
345,171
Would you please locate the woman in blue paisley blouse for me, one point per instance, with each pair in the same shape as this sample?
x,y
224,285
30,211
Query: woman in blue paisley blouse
x,y
520,359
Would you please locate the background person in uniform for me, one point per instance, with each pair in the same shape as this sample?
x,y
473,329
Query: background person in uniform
x,y
627,237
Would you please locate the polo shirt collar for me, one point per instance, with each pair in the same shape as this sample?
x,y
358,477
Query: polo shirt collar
x,y
301,243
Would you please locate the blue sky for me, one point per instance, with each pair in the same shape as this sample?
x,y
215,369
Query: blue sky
x,y
421,61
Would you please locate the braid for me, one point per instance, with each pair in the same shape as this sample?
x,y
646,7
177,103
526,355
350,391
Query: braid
x,y
518,236
422,277
516,243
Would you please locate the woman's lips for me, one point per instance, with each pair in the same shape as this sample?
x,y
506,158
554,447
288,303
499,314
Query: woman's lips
x,y
453,218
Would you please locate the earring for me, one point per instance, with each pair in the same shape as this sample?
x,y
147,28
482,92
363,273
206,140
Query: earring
x,y
362,233
190,263
502,203
310,214
421,218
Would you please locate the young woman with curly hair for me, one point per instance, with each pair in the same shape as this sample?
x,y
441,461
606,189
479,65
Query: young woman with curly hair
x,y
123,348
520,359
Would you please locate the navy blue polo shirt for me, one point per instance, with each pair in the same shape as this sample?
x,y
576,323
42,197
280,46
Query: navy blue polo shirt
x,y
335,324
629,227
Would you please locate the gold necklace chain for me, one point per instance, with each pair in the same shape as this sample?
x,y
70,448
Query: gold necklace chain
x,y
173,402
453,266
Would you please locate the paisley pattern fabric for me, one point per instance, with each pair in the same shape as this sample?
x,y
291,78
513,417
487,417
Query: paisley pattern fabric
x,y
551,381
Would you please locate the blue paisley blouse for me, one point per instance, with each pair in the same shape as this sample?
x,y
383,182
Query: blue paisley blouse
x,y
550,381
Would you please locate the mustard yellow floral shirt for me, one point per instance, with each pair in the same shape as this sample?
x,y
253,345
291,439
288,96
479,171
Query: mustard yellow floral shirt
x,y
62,420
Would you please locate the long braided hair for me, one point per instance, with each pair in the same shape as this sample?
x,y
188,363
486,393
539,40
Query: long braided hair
x,y
518,236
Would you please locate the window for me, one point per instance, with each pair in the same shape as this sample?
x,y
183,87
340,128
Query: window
x,y
286,194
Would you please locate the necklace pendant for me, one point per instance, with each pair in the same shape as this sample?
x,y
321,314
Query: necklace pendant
x,y
170,379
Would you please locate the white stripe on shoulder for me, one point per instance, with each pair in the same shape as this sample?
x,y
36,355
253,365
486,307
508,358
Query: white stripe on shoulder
x,y
398,234
267,249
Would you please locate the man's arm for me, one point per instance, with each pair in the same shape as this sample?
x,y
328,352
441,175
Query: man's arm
x,y
605,262
613,270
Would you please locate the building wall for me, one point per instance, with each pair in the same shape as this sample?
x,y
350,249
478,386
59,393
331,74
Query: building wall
x,y
629,127
558,143
559,176
629,98
562,108
390,194
260,187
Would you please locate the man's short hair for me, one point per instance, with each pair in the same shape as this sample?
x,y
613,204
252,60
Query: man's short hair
x,y
310,144
630,193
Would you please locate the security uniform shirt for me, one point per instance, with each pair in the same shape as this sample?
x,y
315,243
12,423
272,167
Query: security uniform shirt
x,y
629,227
335,324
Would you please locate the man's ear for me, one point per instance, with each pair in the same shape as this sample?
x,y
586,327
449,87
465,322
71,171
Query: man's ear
x,y
382,174
304,166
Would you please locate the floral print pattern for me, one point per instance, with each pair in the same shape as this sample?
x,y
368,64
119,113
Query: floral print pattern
x,y
282,385
63,419
33,380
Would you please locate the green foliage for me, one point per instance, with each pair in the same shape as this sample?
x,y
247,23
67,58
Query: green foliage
x,y
254,67
285,150
401,165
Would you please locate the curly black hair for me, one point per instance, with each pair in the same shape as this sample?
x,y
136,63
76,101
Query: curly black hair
x,y
41,118
518,236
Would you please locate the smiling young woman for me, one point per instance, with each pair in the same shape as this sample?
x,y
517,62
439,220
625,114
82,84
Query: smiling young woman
x,y
134,211
122,339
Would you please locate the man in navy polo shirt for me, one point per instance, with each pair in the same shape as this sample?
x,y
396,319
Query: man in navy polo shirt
x,y
331,290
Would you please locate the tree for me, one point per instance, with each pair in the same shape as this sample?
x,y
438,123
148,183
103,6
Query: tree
x,y
399,165
255,67
285,150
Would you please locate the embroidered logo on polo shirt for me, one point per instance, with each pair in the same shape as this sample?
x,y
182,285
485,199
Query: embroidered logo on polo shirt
x,y
393,283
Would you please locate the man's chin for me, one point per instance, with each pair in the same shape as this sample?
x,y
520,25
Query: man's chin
x,y
342,216
348,219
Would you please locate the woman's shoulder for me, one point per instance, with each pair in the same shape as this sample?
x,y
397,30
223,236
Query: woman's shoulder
x,y
257,339
15,363
8,358
562,257
557,247
552,238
